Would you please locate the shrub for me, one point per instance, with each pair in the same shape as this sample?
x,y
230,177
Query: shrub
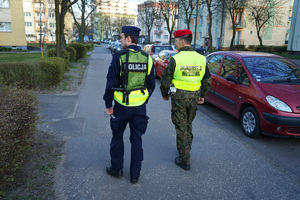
x,y
54,69
51,53
5,49
51,46
89,46
18,117
72,53
23,75
64,54
80,50
239,47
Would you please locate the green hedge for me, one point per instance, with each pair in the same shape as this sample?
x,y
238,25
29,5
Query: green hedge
x,y
270,49
5,49
54,69
23,75
64,54
18,117
72,53
239,47
89,46
80,50
31,75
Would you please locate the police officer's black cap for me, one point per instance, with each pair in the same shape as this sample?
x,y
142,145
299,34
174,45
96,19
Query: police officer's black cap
x,y
132,30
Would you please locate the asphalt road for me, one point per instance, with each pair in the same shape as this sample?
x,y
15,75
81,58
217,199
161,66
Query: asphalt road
x,y
225,164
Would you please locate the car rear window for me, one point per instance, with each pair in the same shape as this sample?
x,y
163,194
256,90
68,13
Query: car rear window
x,y
272,70
157,49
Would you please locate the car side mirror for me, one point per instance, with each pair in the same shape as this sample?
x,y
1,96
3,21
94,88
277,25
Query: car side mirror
x,y
231,78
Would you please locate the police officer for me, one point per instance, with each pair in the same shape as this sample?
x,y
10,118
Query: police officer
x,y
130,82
190,81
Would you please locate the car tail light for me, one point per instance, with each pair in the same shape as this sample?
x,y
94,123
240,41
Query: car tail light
x,y
152,50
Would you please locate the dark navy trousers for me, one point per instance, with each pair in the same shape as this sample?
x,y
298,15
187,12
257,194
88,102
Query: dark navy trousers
x,y
138,120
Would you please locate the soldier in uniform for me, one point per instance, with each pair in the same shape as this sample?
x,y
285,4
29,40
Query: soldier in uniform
x,y
190,81
130,82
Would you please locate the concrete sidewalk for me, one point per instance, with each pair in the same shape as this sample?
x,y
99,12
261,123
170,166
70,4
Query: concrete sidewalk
x,y
222,167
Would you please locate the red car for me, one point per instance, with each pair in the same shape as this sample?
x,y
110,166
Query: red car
x,y
260,89
162,60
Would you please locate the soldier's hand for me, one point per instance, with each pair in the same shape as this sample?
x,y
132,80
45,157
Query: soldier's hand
x,y
201,100
166,98
110,111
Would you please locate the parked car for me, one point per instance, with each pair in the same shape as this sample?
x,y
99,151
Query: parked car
x,y
199,49
117,47
260,89
153,50
162,60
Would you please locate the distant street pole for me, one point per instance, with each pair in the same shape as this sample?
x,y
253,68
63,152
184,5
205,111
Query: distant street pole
x,y
40,23
196,23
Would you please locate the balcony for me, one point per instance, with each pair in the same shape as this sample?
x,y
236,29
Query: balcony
x,y
42,19
158,32
39,9
158,22
43,29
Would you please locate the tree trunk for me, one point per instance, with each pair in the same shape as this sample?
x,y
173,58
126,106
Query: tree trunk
x,y
149,30
210,25
260,42
232,39
60,26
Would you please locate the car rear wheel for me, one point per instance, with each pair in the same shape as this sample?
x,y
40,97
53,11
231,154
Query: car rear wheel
x,y
250,122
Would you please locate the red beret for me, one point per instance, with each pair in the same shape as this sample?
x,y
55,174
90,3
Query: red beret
x,y
182,32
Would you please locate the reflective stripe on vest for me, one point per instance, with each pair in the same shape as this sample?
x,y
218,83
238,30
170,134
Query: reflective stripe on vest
x,y
136,97
189,70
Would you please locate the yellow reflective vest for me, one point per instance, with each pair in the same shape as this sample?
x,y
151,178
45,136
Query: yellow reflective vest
x,y
133,78
189,70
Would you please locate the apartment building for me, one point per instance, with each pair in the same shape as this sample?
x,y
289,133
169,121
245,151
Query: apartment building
x,y
12,31
40,24
159,31
110,16
294,36
245,33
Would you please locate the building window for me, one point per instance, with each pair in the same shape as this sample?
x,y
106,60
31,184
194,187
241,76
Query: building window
x,y
165,28
4,3
28,23
200,35
201,20
158,37
27,14
5,26
166,37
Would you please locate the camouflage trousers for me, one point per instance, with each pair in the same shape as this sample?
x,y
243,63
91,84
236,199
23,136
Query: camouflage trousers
x,y
183,113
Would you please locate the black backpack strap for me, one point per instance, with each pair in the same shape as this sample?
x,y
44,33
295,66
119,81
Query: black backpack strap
x,y
122,52
144,53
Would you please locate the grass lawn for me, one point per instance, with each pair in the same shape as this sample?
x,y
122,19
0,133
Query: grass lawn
x,y
21,57
286,55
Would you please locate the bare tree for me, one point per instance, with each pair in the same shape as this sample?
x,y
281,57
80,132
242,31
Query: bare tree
x,y
86,8
188,6
148,13
107,25
120,21
168,9
212,7
262,13
61,8
235,10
